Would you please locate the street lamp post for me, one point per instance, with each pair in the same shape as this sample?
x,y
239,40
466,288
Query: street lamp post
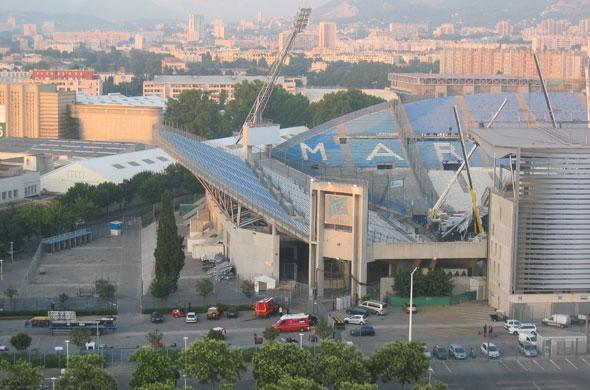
x,y
1,269
185,338
53,379
300,340
411,303
430,370
67,354
11,251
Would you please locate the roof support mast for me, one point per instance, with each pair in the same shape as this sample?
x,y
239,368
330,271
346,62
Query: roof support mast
x,y
587,72
544,88
478,224
255,116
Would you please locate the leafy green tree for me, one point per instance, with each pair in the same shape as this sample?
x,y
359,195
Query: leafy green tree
x,y
105,289
155,338
80,337
83,208
197,113
152,367
404,362
20,375
21,341
11,292
293,383
434,283
247,288
63,297
337,362
169,251
85,372
152,188
215,334
204,287
324,330
71,125
270,333
157,386
334,105
278,360
357,386
424,385
211,361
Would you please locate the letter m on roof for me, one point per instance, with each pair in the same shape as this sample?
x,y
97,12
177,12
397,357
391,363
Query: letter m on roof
x,y
318,148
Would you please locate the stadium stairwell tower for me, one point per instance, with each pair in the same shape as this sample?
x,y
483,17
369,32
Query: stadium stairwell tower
x,y
254,122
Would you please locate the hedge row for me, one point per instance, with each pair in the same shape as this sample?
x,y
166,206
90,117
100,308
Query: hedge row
x,y
196,309
17,314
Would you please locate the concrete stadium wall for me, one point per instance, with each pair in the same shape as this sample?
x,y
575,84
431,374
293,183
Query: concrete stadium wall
x,y
430,250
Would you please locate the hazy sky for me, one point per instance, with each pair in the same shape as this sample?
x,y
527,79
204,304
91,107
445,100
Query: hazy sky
x,y
138,9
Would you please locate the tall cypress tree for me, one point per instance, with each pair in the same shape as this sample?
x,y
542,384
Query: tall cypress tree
x,y
169,251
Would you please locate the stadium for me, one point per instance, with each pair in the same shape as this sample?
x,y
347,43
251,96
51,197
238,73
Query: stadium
x,y
341,207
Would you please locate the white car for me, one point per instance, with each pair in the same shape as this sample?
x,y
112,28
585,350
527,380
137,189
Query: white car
x,y
191,317
356,319
511,323
490,350
527,328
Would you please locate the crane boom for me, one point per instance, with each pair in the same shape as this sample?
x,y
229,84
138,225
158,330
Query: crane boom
x,y
255,115
478,224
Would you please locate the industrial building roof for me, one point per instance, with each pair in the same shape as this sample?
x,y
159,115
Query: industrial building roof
x,y
117,99
67,148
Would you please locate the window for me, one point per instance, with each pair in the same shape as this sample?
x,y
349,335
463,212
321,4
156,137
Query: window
x,y
384,166
133,163
148,161
162,158
342,141
118,166
15,194
3,195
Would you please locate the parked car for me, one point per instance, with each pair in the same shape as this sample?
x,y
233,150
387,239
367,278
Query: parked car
x,y
363,330
407,308
214,313
3,348
232,312
560,320
266,307
490,350
440,352
498,316
511,323
220,330
156,317
526,328
457,352
178,313
191,317
358,310
356,319
374,307
427,353
527,349
530,338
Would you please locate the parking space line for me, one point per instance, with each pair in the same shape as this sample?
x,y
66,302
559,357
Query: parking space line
x,y
448,368
503,365
585,361
555,364
567,360
536,386
522,365
540,366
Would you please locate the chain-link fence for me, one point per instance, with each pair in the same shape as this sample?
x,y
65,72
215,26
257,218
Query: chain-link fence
x,y
53,303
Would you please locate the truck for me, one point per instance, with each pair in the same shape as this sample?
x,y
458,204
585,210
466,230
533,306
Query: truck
x,y
66,321
560,320
293,323
266,307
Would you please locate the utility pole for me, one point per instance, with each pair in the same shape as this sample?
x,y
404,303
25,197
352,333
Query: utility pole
x,y
11,252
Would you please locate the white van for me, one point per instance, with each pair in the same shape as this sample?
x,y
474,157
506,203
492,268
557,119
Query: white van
x,y
374,306
526,337
560,320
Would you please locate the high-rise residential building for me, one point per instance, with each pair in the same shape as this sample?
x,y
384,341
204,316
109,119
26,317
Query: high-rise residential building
x,y
35,110
11,22
29,29
504,28
444,29
584,26
196,28
138,42
327,35
218,28
48,28
304,41
408,30
553,27
74,80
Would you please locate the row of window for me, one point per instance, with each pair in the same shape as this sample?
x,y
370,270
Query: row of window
x,y
10,194
31,190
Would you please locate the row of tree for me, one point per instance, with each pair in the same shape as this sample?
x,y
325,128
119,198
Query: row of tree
x,y
435,283
83,201
199,114
365,74
331,365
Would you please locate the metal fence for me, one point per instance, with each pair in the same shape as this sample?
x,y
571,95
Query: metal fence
x,y
53,303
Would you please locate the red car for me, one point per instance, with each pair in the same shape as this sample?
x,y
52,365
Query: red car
x,y
178,313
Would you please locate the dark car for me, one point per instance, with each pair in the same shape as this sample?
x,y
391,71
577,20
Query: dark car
x,y
363,330
440,352
358,310
156,317
232,312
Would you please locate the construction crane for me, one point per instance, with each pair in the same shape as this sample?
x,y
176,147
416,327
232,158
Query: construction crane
x,y
255,116
478,224
434,212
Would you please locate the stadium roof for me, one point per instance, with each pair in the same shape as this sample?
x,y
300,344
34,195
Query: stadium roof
x,y
69,148
117,99
507,140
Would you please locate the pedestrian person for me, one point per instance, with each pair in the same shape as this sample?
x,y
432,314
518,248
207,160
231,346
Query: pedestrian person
x,y
490,330
280,310
485,330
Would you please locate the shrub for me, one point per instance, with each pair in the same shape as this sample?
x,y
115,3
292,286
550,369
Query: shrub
x,y
21,341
